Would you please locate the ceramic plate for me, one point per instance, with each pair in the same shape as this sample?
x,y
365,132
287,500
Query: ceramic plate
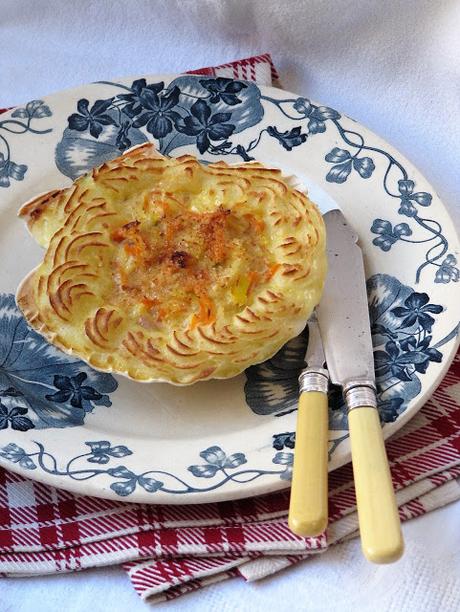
x,y
97,434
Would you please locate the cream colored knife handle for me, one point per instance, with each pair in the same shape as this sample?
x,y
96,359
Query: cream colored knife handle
x,y
379,524
308,505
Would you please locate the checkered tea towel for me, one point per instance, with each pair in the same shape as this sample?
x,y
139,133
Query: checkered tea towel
x,y
171,550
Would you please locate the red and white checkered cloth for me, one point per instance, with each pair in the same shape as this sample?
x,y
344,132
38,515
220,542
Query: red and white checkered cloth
x,y
171,550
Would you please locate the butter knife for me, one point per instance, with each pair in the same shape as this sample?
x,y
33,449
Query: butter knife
x,y
343,318
308,503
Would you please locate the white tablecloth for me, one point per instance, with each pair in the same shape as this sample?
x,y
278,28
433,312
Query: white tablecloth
x,y
391,65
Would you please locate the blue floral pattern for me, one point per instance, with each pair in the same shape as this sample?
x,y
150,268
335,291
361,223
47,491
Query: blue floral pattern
x,y
387,235
22,121
402,322
205,126
345,163
216,460
204,111
40,386
217,464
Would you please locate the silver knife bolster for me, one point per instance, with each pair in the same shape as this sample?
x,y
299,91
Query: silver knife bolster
x,y
314,379
359,394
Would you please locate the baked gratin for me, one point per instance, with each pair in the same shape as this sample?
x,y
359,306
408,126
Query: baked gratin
x,y
165,269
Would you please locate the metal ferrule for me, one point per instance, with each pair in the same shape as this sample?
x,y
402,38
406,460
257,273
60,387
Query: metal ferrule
x,y
359,394
314,379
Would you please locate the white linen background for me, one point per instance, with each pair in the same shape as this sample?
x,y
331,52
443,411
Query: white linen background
x,y
393,66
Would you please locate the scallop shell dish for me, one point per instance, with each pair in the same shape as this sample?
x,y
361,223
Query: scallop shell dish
x,y
166,269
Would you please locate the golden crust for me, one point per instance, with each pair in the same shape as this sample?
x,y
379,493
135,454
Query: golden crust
x,y
165,269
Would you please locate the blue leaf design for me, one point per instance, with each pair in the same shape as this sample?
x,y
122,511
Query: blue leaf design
x,y
214,455
402,229
121,472
387,235
282,458
364,166
16,454
149,484
101,459
422,198
235,460
119,451
406,187
338,155
204,471
27,463
283,440
16,171
20,113
324,112
57,390
316,126
37,109
448,271
339,173
100,445
21,424
407,208
124,488
303,106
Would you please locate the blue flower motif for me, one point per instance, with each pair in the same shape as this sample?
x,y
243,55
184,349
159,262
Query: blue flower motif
x,y
102,450
387,235
94,119
411,344
401,351
286,459
344,165
9,169
16,454
284,440
157,111
289,139
134,101
205,126
36,109
223,89
448,271
318,117
131,480
397,362
216,460
57,390
303,106
408,197
71,388
15,417
415,311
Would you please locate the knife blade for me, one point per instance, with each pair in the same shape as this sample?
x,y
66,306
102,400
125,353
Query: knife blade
x,y
308,503
343,318
343,313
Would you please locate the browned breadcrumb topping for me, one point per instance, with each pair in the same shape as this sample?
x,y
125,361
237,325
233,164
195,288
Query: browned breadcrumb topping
x,y
183,257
